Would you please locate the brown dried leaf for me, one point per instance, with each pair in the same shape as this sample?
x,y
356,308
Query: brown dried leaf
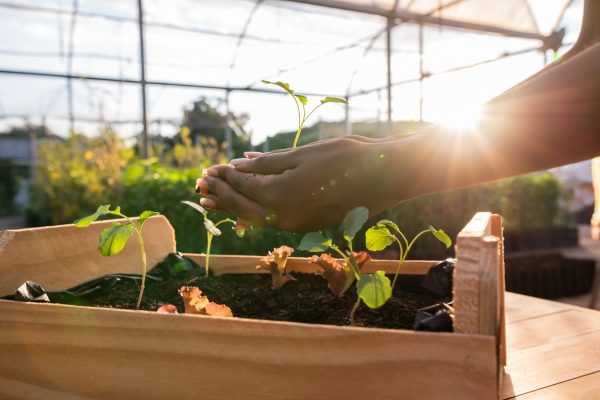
x,y
218,310
361,258
338,275
274,262
167,309
195,303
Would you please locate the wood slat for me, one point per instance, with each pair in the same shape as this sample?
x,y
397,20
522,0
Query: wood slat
x,y
58,257
551,363
520,307
226,264
120,354
552,327
583,388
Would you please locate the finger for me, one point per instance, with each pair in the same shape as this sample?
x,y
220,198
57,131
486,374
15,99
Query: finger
x,y
266,164
250,185
252,154
211,202
227,199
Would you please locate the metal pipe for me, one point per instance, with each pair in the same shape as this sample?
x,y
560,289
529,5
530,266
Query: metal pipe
x,y
388,52
156,83
145,152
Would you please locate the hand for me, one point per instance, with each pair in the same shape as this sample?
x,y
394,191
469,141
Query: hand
x,y
305,188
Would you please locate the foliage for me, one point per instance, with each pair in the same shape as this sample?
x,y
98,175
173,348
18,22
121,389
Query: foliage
x,y
114,238
301,101
212,229
274,263
8,188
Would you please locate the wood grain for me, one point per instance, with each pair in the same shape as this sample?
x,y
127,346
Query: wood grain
x,y
117,354
225,264
584,388
58,257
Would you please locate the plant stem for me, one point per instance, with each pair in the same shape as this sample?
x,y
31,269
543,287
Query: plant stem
x,y
143,251
400,262
355,270
297,135
209,237
353,312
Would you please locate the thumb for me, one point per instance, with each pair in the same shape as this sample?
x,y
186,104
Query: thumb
x,y
265,164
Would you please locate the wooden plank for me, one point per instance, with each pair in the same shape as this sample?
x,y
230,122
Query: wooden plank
x,y
227,264
467,273
498,231
520,307
584,388
58,257
103,353
550,363
552,327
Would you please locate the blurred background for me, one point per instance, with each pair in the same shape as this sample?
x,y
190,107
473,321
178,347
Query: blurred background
x,y
125,101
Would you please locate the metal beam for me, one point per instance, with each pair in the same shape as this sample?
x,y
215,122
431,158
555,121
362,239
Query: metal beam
x,y
156,83
145,152
410,16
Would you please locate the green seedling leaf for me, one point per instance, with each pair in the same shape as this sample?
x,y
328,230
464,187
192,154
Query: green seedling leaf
x,y
147,214
353,221
441,236
374,289
197,207
333,100
283,85
113,239
302,99
86,221
391,224
378,238
210,226
314,242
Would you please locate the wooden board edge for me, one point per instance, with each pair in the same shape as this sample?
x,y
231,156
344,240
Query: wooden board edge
x,y
242,264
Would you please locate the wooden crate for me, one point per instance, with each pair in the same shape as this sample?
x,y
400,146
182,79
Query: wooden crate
x,y
66,352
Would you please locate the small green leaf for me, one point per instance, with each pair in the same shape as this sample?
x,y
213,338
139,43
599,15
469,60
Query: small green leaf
x,y
283,85
210,226
147,214
333,100
114,238
378,238
197,207
353,221
441,236
302,99
374,289
387,222
314,242
86,221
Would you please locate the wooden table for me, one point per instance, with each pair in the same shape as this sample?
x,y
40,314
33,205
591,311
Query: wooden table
x,y
553,350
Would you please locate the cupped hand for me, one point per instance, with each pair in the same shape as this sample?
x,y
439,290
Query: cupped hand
x,y
305,188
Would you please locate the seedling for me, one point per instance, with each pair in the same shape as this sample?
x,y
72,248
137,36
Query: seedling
x,y
301,100
114,238
275,263
372,288
212,230
379,237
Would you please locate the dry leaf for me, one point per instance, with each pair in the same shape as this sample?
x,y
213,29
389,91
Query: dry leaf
x,y
195,303
167,309
339,275
275,263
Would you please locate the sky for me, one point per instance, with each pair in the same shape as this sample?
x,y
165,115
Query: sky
x,y
307,46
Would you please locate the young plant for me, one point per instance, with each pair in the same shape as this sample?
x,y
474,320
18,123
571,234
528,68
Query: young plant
x,y
275,263
379,237
114,238
301,100
373,289
212,230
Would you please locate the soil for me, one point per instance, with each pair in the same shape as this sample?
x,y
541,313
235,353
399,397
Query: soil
x,y
307,299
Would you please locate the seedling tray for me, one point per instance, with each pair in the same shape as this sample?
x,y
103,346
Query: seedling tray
x,y
59,351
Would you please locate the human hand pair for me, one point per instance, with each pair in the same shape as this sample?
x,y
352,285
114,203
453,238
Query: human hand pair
x,y
305,188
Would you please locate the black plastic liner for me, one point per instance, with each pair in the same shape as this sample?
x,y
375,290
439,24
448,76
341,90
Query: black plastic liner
x,y
175,265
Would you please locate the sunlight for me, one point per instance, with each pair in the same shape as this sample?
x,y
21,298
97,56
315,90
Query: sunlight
x,y
460,118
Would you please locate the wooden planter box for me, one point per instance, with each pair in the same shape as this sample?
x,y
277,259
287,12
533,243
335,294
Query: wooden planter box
x,y
54,351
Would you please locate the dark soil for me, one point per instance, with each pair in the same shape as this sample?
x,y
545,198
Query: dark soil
x,y
306,299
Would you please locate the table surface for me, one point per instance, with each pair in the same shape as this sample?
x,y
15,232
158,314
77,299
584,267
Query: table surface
x,y
553,350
